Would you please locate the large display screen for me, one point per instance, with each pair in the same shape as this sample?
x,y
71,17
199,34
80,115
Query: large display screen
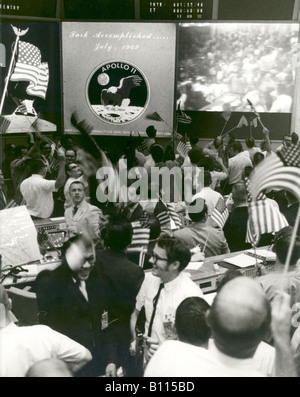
x,y
119,76
222,66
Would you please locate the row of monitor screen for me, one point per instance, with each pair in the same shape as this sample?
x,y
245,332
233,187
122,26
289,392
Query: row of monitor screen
x,y
149,68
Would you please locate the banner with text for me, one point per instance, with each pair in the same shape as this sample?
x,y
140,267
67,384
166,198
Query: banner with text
x,y
117,75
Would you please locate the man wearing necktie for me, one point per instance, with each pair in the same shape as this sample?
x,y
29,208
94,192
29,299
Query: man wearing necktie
x,y
72,300
162,292
82,215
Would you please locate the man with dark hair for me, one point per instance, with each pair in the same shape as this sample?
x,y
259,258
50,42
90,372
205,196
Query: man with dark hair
x,y
258,158
291,208
124,279
73,172
251,148
235,228
162,292
238,160
211,240
38,192
179,358
210,196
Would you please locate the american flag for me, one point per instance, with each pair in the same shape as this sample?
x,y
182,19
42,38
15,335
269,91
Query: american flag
x,y
280,174
243,122
164,213
183,148
183,118
29,67
220,213
140,236
154,116
264,216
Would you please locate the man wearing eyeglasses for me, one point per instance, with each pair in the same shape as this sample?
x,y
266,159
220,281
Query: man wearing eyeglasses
x,y
162,292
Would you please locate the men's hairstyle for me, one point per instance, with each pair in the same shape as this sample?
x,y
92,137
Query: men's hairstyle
x,y
73,240
295,138
207,179
157,152
190,321
169,153
282,242
176,250
197,216
194,139
77,183
36,166
236,146
207,163
18,150
151,131
239,193
250,143
8,149
228,276
195,156
117,235
218,142
258,158
71,150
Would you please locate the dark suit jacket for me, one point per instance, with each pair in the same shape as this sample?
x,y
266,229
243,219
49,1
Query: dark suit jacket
x,y
62,307
123,278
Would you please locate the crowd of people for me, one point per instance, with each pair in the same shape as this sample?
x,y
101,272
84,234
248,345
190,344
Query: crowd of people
x,y
227,65
105,311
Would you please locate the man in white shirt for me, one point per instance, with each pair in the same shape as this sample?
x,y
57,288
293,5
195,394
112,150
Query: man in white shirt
x,y
21,347
239,159
37,191
162,292
180,358
210,196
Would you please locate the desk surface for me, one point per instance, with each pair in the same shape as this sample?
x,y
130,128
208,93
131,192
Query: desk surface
x,y
207,270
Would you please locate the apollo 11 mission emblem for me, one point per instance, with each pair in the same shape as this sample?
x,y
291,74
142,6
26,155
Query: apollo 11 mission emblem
x,y
117,92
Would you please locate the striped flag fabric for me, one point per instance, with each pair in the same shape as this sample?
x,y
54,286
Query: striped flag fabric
x,y
140,236
183,118
273,173
165,213
220,213
183,148
243,122
264,216
29,67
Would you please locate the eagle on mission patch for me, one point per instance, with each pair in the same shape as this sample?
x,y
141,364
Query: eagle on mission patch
x,y
119,96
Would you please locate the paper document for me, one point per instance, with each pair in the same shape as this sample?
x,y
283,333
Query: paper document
x,y
243,261
194,266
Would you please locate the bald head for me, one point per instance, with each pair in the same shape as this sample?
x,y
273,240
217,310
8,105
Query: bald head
x,y
240,318
51,368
